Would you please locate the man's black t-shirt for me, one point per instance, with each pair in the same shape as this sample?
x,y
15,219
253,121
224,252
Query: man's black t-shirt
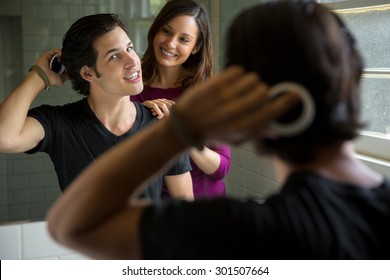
x,y
74,137
311,218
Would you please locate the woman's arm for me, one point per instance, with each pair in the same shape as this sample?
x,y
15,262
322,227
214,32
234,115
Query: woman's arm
x,y
93,215
180,186
212,160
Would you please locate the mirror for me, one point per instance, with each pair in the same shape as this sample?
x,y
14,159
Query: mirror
x,y
28,183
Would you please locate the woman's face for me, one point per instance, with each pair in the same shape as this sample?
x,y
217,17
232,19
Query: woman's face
x,y
175,41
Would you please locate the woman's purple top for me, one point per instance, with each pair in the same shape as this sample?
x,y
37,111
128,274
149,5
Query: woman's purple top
x,y
204,185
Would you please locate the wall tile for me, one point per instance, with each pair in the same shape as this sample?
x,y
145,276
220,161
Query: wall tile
x,y
18,182
10,245
18,212
13,9
39,210
2,9
29,165
37,243
31,241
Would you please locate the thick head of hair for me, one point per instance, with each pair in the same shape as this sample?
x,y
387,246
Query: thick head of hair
x,y
78,45
200,63
306,43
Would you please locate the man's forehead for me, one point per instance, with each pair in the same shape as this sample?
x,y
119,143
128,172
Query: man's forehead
x,y
111,41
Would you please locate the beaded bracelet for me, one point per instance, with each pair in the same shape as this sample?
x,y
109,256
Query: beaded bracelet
x,y
41,74
181,131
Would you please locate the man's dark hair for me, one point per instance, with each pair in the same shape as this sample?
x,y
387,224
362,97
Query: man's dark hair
x,y
78,45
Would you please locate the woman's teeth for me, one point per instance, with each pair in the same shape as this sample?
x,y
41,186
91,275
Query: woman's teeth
x,y
167,53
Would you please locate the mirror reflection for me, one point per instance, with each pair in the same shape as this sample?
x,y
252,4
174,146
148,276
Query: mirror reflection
x,y
28,183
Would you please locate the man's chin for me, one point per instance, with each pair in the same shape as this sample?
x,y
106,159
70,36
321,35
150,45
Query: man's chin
x,y
137,90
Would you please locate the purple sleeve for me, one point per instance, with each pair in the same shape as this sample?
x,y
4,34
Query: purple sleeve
x,y
224,166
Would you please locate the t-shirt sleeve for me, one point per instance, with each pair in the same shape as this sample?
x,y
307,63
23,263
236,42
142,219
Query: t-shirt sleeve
x,y
181,166
203,229
44,115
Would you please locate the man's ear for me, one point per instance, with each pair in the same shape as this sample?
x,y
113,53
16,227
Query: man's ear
x,y
87,73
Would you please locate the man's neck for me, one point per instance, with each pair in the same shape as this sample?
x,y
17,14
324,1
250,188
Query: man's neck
x,y
117,115
338,164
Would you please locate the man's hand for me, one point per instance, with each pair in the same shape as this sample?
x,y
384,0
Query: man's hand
x,y
232,107
44,61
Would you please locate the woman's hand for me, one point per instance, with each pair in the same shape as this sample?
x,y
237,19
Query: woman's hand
x,y
159,107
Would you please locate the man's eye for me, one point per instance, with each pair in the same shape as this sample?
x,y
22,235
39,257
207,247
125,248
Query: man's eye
x,y
114,56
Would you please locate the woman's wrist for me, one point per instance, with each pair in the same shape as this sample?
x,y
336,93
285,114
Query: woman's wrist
x,y
182,132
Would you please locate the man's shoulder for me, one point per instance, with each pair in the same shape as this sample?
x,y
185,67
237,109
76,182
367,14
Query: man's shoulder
x,y
72,112
75,105
144,114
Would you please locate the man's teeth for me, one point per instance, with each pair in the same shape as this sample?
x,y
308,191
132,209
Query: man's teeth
x,y
132,76
167,53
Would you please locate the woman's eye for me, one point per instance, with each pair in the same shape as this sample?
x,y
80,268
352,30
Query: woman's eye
x,y
185,40
113,57
166,31
130,49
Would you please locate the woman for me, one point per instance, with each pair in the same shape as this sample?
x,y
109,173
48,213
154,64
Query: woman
x,y
179,55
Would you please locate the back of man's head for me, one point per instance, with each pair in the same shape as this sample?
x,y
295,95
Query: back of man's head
x,y
306,43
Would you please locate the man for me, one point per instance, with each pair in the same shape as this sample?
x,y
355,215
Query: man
x,y
101,63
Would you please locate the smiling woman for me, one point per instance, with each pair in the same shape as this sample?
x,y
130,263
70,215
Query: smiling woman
x,y
179,56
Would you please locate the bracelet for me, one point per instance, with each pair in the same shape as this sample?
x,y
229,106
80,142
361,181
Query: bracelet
x,y
41,74
181,131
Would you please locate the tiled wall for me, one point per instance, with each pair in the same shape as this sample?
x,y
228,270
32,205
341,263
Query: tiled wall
x,y
31,241
250,176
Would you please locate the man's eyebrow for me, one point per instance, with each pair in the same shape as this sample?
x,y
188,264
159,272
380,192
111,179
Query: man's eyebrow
x,y
116,49
111,51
